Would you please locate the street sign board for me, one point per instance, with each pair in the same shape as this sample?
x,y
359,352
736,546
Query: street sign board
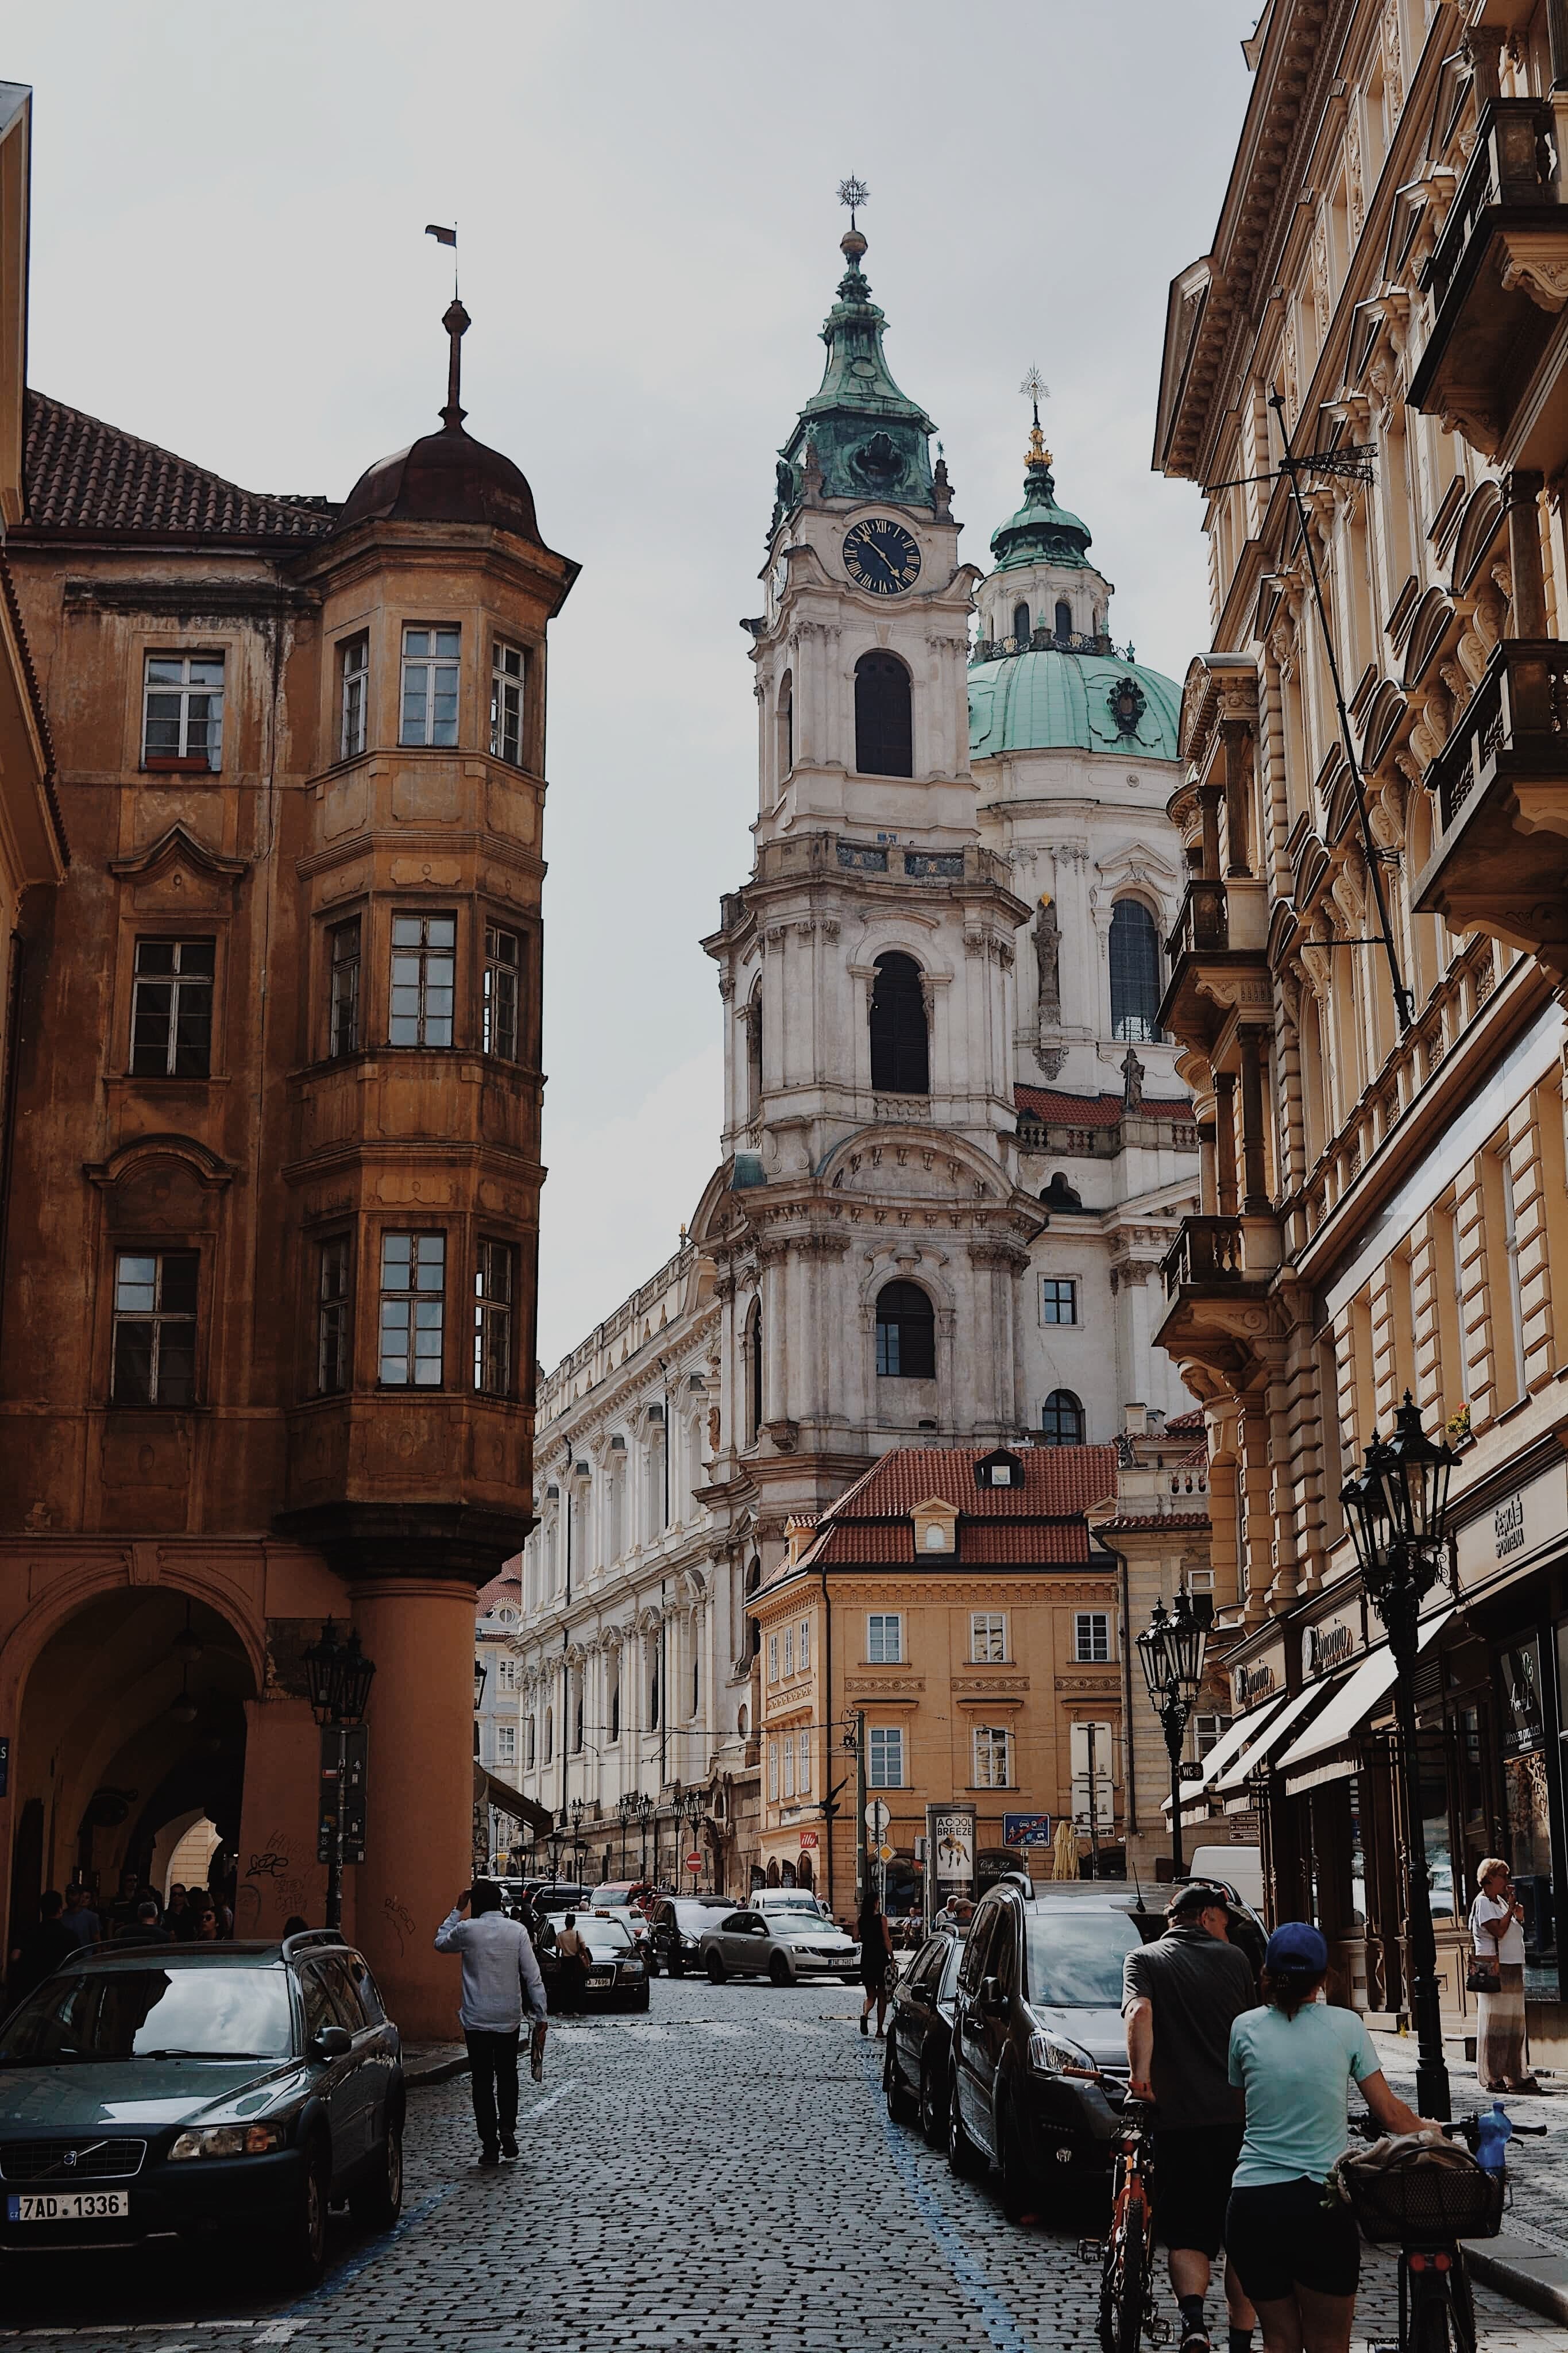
x,y
808,1838
351,1797
1026,1829
950,1830
694,1861
884,1853
877,1819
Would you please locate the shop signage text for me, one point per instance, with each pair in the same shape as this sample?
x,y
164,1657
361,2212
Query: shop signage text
x,y
1255,1680
1514,1527
1508,1527
1328,1646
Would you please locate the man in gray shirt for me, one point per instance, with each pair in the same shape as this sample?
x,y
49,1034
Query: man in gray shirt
x,y
499,1968
1179,1999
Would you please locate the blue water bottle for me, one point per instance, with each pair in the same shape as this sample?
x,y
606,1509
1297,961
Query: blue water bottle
x,y
1493,2134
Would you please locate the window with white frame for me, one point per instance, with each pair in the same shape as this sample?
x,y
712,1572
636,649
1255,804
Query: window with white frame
x,y
506,1744
1208,1730
885,1757
772,1658
992,1757
353,695
182,709
789,1764
424,979
774,1769
413,1306
494,1280
430,686
1058,1299
987,1637
884,1638
789,1650
803,1763
805,1645
503,992
507,667
1091,1637
342,1004
507,1674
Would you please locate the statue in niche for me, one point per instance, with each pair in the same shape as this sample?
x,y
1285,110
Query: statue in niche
x,y
1132,1082
1047,960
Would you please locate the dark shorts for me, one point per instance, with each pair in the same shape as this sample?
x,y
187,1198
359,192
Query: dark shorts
x,y
1192,2185
1281,2236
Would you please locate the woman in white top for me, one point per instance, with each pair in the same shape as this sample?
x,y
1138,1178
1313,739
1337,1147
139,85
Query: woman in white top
x,y
1497,1934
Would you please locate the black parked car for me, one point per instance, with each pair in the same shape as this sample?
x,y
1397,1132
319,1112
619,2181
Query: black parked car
x,y
1039,2053
616,1974
675,1940
917,2063
191,2089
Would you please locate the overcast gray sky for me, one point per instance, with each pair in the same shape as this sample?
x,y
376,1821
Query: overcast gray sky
x,y
227,257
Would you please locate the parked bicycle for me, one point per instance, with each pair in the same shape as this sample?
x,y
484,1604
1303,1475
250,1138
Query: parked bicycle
x,y
1425,2209
1126,2254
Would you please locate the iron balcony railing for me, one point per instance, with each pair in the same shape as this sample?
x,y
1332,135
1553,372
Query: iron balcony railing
x,y
1518,715
1203,927
1206,1251
1511,166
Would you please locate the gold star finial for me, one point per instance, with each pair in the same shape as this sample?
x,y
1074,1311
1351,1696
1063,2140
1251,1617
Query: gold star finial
x,y
1035,389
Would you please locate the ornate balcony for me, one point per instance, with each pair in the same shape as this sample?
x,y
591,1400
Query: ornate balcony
x,y
1206,1251
1498,276
1218,1275
1500,783
1218,961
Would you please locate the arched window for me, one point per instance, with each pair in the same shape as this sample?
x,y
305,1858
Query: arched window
x,y
786,724
1134,973
884,723
549,1734
900,1059
1061,1420
754,1055
529,1751
696,1685
1064,619
577,1723
906,1333
615,1712
652,1698
1021,624
754,1372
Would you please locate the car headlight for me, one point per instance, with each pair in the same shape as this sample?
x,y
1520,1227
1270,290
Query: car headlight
x,y
230,2141
1049,2057
633,1967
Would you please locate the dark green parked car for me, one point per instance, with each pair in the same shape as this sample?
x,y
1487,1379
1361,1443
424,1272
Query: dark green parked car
x,y
187,2089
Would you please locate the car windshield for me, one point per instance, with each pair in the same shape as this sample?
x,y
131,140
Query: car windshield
x,y
793,1924
601,1936
1075,1955
152,2014
692,1918
794,1904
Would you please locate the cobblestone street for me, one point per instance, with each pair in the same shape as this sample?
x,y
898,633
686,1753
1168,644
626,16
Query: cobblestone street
x,y
720,2175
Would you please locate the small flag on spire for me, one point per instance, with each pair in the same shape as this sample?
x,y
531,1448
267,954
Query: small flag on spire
x,y
442,236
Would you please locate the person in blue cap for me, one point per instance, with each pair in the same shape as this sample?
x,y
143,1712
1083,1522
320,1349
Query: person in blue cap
x,y
1294,2058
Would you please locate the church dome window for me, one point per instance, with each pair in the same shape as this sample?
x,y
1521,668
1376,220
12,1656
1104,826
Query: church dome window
x,y
884,716
1061,1420
786,724
901,1046
1134,974
906,1333
1021,626
1064,620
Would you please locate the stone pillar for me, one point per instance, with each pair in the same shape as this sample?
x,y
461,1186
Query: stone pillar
x,y
1527,618
277,1872
419,1793
1225,1141
1256,1202
1236,737
1208,805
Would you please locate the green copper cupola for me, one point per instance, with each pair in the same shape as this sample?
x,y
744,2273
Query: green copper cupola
x,y
866,437
1040,532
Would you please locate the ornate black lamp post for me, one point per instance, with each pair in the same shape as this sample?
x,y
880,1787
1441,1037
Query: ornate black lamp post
x,y
626,1806
690,1809
1171,1650
1397,1507
642,1808
339,1678
578,1810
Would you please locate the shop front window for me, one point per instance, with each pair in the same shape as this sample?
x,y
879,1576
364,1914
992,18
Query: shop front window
x,y
1527,1806
1429,1751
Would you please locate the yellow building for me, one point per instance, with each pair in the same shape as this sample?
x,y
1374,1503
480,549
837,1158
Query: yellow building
x,y
954,1604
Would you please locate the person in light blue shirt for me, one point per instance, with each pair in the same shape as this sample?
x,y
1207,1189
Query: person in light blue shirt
x,y
499,1968
1295,2059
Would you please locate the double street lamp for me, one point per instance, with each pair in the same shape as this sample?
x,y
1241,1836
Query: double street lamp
x,y
1171,1648
642,1811
339,1677
1397,1507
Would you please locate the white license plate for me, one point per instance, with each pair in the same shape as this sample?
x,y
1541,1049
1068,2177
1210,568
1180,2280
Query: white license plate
x,y
69,2206
602,1977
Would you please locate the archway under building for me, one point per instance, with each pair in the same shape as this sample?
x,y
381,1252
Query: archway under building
x,y
130,1731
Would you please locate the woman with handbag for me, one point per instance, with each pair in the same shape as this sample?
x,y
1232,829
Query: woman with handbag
x,y
876,1960
1496,1976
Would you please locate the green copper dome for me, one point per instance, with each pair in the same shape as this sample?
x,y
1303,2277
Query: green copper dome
x,y
1054,701
868,439
1041,532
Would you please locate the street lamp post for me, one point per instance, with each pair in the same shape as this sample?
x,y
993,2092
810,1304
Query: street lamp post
x,y
1397,1507
643,1808
691,1810
624,1806
1171,1650
578,1810
338,1675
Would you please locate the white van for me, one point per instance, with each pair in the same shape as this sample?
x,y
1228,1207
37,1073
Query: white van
x,y
1240,1867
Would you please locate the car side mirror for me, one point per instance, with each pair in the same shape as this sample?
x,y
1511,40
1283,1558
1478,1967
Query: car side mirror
x,y
991,2000
331,2042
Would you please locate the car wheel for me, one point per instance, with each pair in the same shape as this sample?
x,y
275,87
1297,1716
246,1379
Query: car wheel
x,y
379,2202
716,1969
963,2156
653,1965
302,2247
900,2107
1020,2192
780,1971
639,2000
932,2114
677,1966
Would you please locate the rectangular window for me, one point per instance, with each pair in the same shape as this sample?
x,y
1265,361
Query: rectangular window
x,y
1058,1299
333,1316
412,1286
424,979
1209,1729
172,1008
789,1765
987,1637
1091,1637
503,972
884,1639
494,1284
353,672
182,710
772,1658
429,686
885,1757
789,1651
774,1769
506,1744
343,1004
155,1329
805,1646
507,670
803,1763
509,1674
992,1758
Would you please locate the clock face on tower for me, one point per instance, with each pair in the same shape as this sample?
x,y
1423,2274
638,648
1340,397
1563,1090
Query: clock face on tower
x,y
881,556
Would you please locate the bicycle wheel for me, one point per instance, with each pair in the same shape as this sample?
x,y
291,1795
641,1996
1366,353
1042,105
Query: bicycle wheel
x,y
1436,2325
1124,2285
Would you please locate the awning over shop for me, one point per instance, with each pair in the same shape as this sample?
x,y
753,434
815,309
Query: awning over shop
x,y
1236,1735
1311,1760
488,1791
1231,1784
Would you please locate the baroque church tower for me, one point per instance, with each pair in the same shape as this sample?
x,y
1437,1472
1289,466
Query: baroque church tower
x,y
866,1227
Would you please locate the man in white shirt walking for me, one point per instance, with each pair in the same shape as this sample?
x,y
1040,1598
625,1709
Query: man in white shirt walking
x,y
499,1968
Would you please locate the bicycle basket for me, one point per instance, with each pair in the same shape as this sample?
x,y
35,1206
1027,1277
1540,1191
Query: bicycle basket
x,y
1423,2201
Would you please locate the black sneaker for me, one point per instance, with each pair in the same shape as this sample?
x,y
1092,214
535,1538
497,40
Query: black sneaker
x,y
508,2145
490,2157
1195,2338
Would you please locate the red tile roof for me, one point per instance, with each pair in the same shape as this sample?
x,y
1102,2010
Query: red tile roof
x,y
1057,1480
1094,1111
1028,1544
1181,1423
81,475
506,1586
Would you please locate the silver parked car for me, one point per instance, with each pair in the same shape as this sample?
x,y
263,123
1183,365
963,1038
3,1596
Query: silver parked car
x,y
788,1947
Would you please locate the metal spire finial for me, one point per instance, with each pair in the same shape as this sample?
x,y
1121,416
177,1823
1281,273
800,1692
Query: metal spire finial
x,y
1035,389
456,323
853,193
